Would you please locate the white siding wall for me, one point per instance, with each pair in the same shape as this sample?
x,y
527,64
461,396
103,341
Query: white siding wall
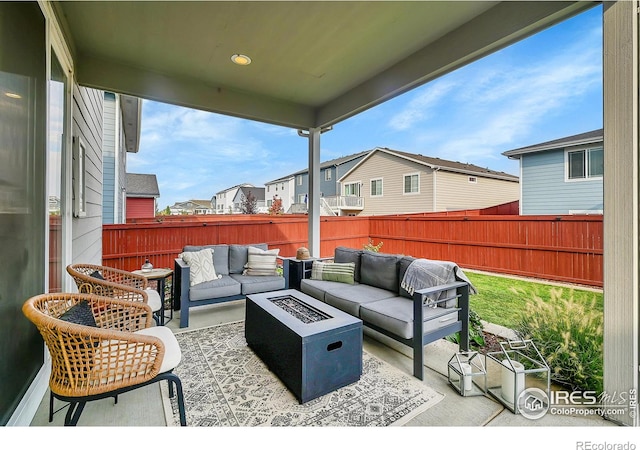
x,y
87,123
455,192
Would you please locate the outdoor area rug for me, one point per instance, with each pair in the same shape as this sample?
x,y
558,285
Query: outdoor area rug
x,y
226,385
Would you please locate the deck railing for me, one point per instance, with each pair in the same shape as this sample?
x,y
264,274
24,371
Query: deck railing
x,y
560,248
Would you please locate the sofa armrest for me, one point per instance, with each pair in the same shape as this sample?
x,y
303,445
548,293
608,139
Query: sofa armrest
x,y
181,276
285,269
462,295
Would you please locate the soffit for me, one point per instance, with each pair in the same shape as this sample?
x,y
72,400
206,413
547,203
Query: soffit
x,y
314,63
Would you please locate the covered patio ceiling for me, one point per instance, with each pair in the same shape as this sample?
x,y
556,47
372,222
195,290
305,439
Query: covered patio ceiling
x,y
313,63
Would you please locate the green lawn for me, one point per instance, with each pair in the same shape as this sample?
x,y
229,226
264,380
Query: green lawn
x,y
502,300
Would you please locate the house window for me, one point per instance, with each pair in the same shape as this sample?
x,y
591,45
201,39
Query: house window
x,y
301,198
79,183
412,184
352,189
473,180
299,180
376,187
584,164
327,175
268,188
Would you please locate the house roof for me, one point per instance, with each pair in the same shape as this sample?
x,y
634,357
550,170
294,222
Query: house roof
x,y
257,192
346,56
142,185
324,165
192,204
438,163
233,188
590,137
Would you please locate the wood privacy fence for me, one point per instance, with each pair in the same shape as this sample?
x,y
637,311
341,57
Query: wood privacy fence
x,y
559,248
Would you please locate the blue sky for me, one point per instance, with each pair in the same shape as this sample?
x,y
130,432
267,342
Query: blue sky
x,y
545,87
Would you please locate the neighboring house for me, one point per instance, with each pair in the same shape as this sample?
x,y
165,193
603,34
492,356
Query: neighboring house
x,y
243,193
395,182
563,176
282,188
224,200
330,172
142,192
192,207
120,134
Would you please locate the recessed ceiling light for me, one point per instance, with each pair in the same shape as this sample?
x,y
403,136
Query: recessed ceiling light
x,y
12,95
241,60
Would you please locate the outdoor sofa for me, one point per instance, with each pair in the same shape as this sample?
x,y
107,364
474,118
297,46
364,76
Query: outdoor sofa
x,y
211,274
413,301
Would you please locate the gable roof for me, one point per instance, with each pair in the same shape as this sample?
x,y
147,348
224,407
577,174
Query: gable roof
x,y
233,188
439,164
323,165
590,137
193,204
142,185
258,193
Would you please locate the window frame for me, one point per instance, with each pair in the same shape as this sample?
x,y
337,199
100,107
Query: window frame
x,y
358,184
327,174
381,180
404,183
79,177
586,160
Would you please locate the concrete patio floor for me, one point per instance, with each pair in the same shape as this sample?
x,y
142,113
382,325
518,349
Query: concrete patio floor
x,y
143,407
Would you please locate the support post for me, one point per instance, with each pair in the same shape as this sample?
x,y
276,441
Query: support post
x,y
314,192
621,231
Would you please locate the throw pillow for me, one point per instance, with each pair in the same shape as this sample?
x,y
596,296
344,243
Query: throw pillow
x,y
346,255
97,274
201,266
340,272
380,270
80,314
261,262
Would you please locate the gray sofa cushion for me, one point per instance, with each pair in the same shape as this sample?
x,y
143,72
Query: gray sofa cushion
x,y
222,287
404,263
258,283
238,256
396,316
347,255
380,270
220,256
317,288
350,297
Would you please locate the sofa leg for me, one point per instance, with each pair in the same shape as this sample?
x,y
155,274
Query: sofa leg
x,y
418,361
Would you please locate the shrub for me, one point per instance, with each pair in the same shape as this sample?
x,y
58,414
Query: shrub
x,y
569,335
476,334
373,247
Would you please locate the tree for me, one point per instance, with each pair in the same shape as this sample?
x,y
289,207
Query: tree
x,y
249,204
276,206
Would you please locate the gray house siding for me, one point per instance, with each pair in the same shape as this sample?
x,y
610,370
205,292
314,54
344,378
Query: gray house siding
x,y
327,187
87,124
545,191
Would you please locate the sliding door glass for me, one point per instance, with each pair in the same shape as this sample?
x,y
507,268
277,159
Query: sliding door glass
x,y
22,194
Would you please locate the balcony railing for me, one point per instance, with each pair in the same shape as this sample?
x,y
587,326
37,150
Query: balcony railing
x,y
340,202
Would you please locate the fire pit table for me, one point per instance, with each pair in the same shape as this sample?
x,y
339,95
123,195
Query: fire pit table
x,y
312,347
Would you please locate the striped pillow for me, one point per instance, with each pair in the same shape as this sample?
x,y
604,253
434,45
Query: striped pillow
x,y
261,262
340,272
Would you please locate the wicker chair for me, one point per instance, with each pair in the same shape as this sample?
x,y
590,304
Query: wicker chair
x,y
117,283
120,353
